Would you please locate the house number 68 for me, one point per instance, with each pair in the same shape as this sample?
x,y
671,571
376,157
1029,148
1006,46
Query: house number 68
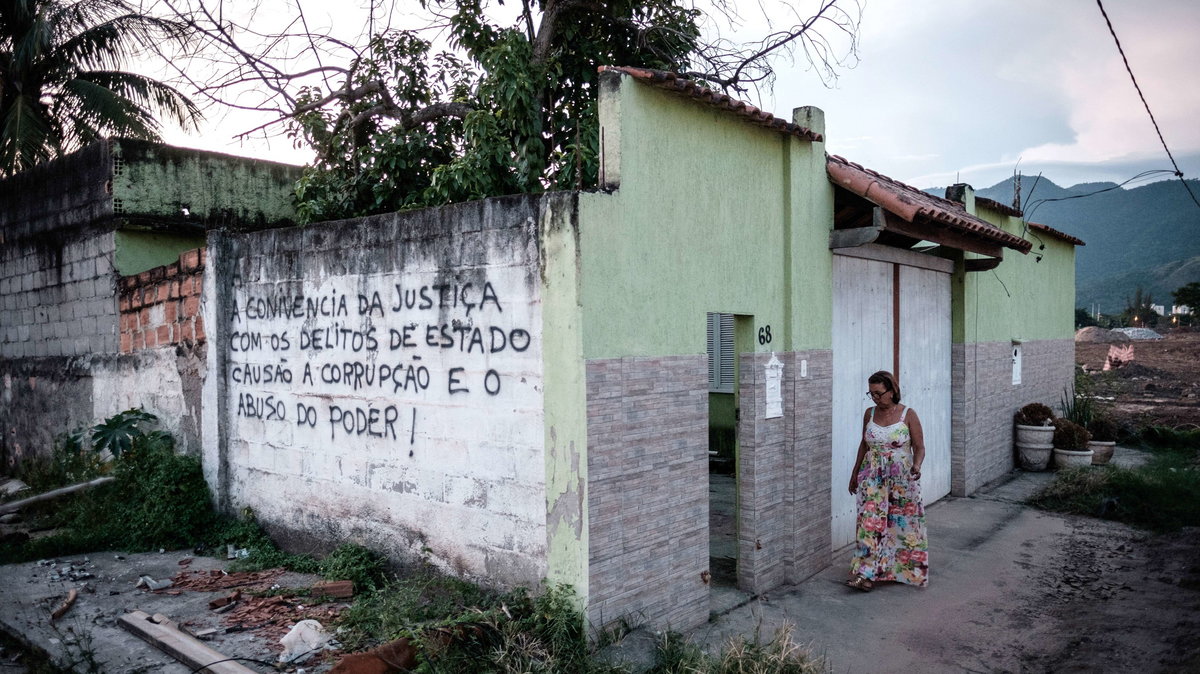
x,y
764,335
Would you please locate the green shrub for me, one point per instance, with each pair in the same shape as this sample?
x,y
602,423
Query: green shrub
x,y
159,500
350,561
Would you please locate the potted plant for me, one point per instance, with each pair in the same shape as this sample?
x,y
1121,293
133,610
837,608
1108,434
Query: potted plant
x,y
1104,439
1035,424
1071,444
1034,435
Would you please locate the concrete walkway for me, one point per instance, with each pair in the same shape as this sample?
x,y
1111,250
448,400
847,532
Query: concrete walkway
x,y
981,607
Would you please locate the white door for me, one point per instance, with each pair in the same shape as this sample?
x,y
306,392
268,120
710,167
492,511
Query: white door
x,y
925,369
865,334
862,344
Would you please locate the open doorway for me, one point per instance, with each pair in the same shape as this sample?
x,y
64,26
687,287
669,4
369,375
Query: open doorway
x,y
726,337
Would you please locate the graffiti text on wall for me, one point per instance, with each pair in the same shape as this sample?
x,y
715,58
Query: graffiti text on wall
x,y
360,363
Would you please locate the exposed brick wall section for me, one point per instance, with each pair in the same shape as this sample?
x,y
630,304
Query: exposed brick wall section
x,y
783,472
648,490
161,306
983,401
56,296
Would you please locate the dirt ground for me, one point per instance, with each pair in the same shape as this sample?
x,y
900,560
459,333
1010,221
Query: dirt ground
x,y
1161,385
1012,589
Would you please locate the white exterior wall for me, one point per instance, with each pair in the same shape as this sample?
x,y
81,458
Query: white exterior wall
x,y
435,446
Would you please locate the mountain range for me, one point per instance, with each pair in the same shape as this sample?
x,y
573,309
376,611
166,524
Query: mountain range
x,y
1147,236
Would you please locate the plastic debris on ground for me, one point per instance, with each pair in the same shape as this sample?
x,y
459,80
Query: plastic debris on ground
x,y
305,639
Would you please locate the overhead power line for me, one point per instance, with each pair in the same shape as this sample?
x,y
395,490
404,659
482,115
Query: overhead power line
x,y
1178,173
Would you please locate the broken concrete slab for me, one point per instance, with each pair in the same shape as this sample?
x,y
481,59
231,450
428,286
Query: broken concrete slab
x,y
29,592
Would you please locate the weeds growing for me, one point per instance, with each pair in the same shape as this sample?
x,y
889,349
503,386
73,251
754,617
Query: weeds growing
x,y
1158,496
160,500
780,655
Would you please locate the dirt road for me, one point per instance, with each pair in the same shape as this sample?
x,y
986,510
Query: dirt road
x,y
1161,385
1011,589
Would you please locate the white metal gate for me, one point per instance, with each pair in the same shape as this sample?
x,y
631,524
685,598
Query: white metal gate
x,y
866,332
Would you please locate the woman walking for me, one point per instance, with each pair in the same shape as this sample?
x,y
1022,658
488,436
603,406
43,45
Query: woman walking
x,y
891,518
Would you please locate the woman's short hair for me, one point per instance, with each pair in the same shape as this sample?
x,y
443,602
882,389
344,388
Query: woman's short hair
x,y
889,383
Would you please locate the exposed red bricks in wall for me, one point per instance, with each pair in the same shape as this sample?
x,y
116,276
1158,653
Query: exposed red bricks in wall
x,y
161,306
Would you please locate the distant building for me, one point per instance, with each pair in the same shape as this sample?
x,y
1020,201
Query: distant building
x,y
1158,309
1181,310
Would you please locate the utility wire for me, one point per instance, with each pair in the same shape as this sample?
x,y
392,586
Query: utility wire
x,y
1039,202
1178,173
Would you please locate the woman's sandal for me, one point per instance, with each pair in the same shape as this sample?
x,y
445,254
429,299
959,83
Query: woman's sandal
x,y
861,584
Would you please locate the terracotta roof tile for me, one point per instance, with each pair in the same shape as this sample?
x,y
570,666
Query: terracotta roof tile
x,y
911,203
994,205
669,81
1046,229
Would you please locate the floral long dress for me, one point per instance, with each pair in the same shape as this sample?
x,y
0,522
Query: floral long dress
x,y
891,518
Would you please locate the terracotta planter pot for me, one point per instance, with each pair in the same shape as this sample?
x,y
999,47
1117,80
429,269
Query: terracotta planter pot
x,y
1068,458
1034,457
1102,452
1034,435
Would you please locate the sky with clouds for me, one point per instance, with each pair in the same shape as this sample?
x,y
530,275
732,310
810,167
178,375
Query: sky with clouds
x,y
950,91
954,91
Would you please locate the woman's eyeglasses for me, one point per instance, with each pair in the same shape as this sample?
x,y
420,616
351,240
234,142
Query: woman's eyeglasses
x,y
874,395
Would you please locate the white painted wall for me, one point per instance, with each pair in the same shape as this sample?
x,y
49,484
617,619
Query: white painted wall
x,y
433,447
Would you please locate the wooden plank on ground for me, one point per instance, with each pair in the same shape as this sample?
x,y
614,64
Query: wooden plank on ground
x,y
188,650
14,506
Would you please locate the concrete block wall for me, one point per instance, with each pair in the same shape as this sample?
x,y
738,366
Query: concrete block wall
x,y
161,306
379,380
647,465
984,400
57,296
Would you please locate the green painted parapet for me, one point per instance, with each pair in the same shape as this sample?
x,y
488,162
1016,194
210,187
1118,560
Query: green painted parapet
x,y
708,213
1027,297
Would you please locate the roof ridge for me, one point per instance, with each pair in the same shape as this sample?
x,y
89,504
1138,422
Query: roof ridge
x,y
671,81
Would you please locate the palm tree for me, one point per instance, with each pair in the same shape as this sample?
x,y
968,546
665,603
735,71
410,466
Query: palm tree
x,y
61,86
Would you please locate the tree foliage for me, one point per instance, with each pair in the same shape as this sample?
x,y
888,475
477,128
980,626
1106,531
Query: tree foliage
x,y
1138,310
1188,296
61,83
401,123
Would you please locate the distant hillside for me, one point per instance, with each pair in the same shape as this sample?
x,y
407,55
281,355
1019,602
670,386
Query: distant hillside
x,y
1147,235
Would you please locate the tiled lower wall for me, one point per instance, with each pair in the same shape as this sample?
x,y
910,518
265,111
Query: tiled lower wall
x,y
784,472
648,483
984,400
648,490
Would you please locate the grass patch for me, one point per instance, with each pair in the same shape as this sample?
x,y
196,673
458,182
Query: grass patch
x,y
1163,437
490,631
779,655
1158,496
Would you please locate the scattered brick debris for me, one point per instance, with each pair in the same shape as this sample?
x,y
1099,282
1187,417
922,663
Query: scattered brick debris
x,y
271,617
223,601
212,581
